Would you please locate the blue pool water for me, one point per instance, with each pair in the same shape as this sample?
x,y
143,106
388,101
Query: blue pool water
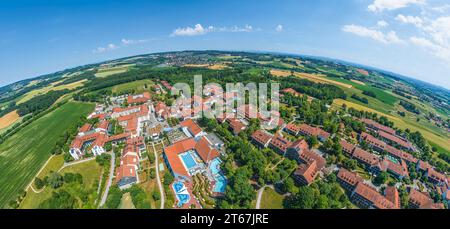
x,y
188,160
181,193
221,181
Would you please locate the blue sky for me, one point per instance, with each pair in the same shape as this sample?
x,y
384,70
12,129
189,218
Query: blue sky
x,y
410,37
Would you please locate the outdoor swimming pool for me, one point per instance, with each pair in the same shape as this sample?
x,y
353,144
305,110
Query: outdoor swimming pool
x,y
181,193
220,180
188,160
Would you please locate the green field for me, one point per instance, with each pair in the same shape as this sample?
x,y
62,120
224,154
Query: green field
x,y
24,153
271,199
137,86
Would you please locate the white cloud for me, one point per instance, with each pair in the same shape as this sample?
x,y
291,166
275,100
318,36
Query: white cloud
x,y
382,24
198,29
442,52
441,9
109,47
131,42
417,21
279,28
381,5
389,38
189,31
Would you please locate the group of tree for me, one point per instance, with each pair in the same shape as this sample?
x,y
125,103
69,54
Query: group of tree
x,y
409,107
360,99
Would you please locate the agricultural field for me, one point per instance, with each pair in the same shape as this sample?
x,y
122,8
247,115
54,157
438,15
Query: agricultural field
x,y
8,119
24,153
105,72
313,77
52,86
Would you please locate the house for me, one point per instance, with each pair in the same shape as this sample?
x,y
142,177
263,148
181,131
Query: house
x,y
348,180
400,155
419,200
376,126
308,130
126,174
347,147
395,141
162,111
367,197
139,99
279,144
436,177
261,138
295,149
398,170
375,143
178,155
392,195
190,128
308,170
364,157
292,129
236,125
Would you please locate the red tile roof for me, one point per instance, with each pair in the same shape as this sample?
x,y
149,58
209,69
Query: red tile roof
x,y
392,195
293,128
307,171
365,156
279,143
86,127
377,126
347,147
420,199
236,125
399,169
141,98
373,140
395,139
349,177
299,145
373,196
172,152
125,171
192,126
205,151
261,137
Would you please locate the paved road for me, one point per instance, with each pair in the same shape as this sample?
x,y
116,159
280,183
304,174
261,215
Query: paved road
x,y
75,162
111,174
157,177
260,192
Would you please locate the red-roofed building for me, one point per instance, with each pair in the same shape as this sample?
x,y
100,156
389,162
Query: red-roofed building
x,y
392,195
394,140
205,151
347,147
311,165
398,170
161,110
236,125
419,200
364,157
376,126
292,128
85,128
375,143
308,130
296,148
348,180
436,177
366,197
261,138
191,128
279,144
139,99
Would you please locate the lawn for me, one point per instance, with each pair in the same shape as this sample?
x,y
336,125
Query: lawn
x,y
24,153
138,86
271,199
90,171
126,202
